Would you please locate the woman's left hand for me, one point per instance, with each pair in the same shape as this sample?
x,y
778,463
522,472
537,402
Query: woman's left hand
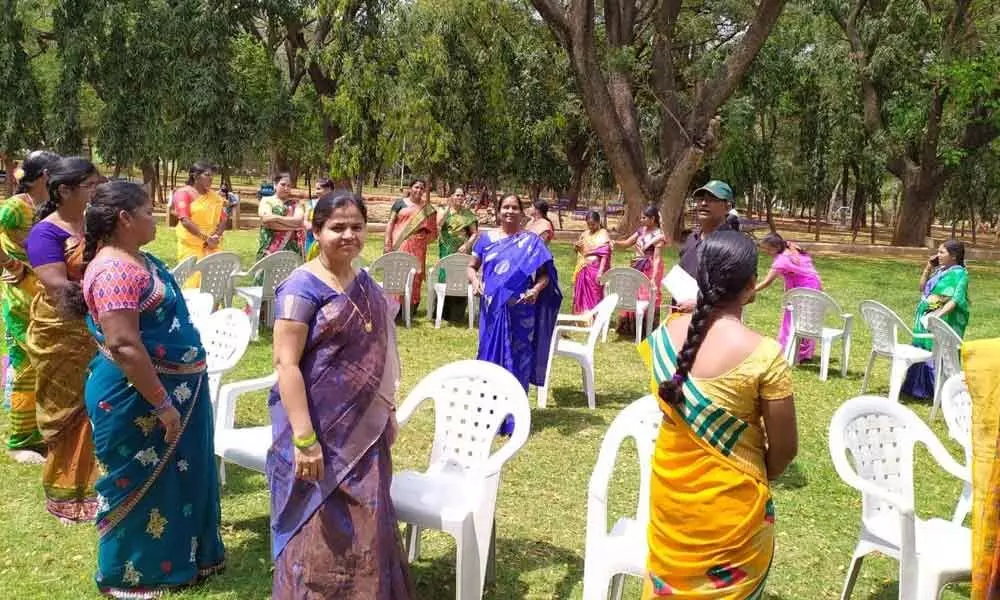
x,y
309,463
528,297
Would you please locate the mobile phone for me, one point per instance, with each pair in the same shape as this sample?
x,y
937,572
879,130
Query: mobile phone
x,y
935,261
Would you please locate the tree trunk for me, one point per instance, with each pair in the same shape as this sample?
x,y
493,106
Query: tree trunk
x,y
8,165
769,207
359,184
920,189
149,180
672,200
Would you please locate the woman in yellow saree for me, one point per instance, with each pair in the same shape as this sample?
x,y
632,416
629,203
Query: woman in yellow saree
x,y
728,428
59,344
201,218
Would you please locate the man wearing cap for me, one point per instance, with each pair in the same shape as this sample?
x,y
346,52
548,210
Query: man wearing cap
x,y
713,202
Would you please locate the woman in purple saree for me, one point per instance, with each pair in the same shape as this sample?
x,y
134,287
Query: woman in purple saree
x,y
520,298
333,527
594,250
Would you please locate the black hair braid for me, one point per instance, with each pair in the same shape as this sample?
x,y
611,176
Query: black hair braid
x,y
671,389
100,223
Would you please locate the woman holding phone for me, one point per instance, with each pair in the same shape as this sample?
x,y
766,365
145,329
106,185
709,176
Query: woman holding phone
x,y
944,287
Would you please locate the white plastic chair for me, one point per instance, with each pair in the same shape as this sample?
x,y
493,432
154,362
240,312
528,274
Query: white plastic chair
x,y
886,328
947,356
956,405
609,555
199,305
398,270
183,269
583,353
225,334
216,276
456,283
244,446
809,309
273,269
457,494
880,437
626,283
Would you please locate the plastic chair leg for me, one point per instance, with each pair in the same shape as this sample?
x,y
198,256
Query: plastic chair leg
x,y
491,561
852,575
640,321
617,586
588,383
897,373
845,355
595,581
222,472
472,557
824,365
868,372
929,584
438,309
963,506
255,306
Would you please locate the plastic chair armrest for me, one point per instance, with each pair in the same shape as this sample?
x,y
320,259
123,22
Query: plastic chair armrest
x,y
922,336
496,461
904,507
570,329
573,318
229,392
946,461
848,322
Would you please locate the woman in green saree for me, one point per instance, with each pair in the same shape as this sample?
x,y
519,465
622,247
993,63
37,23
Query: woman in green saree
x,y
458,227
945,294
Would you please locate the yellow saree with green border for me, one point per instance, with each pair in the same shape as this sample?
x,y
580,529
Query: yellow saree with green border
x,y
711,530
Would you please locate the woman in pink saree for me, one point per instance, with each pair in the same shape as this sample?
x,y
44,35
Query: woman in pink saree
x,y
411,228
594,250
648,242
796,267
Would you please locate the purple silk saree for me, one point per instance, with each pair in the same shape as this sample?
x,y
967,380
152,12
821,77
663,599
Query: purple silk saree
x,y
337,538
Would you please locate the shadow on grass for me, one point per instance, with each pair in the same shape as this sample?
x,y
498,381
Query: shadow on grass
x,y
242,481
436,578
566,420
791,479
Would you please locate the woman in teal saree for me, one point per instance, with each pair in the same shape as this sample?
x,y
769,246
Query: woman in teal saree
x,y
147,396
944,294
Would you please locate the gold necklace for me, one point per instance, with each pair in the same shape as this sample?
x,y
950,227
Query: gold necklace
x,y
367,322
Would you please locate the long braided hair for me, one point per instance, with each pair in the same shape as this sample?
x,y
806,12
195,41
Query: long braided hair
x,y
36,165
71,172
726,266
100,221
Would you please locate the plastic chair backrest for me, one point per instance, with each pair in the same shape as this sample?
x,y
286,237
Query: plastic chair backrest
x,y
274,268
395,267
640,421
956,404
225,335
216,271
456,279
626,282
947,345
885,326
879,435
471,399
603,312
183,270
199,304
809,309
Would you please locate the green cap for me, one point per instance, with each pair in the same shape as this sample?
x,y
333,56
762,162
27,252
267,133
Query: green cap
x,y
719,189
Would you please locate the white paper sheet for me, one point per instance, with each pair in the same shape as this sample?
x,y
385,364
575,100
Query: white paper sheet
x,y
681,285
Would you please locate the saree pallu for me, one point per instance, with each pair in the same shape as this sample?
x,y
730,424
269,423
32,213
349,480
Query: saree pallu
x,y
594,261
516,336
60,350
337,537
711,531
415,228
158,504
981,361
206,211
18,288
951,283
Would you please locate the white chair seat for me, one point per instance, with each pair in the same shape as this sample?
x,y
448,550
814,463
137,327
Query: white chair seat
x,y
255,292
830,333
912,354
431,499
246,446
571,348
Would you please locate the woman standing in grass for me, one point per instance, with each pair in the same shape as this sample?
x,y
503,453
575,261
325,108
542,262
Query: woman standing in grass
x,y
282,220
944,287
458,226
796,267
333,527
594,259
201,218
728,429
412,226
59,344
18,285
158,508
648,242
539,222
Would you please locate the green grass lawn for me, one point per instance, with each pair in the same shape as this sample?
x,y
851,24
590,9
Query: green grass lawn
x,y
541,511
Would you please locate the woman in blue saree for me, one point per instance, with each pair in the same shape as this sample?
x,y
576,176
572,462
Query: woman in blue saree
x,y
333,527
520,297
147,396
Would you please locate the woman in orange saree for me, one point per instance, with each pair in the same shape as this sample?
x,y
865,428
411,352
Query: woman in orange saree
x,y
59,345
411,228
728,429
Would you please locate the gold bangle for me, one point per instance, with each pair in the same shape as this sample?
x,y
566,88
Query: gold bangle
x,y
306,442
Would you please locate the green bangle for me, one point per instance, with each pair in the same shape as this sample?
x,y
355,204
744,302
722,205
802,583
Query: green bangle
x,y
305,442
